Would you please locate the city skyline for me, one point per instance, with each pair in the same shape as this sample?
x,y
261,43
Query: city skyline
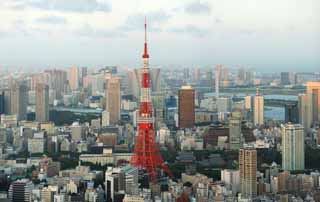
x,y
150,133
42,33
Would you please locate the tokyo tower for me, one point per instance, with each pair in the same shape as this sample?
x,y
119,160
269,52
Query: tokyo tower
x,y
146,152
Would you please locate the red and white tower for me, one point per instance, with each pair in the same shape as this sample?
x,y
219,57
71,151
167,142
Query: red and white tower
x,y
146,152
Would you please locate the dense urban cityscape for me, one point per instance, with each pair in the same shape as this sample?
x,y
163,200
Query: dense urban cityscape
x,y
159,133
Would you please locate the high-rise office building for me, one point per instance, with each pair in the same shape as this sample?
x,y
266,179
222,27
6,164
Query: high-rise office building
x,y
20,190
42,103
113,183
248,172
186,107
217,78
303,107
313,93
74,78
83,72
2,102
158,101
19,100
291,113
186,73
113,100
197,74
258,109
235,131
57,81
7,101
241,75
286,78
309,105
292,146
155,76
247,102
130,175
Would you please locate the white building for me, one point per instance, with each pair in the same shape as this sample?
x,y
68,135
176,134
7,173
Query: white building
x,y
292,146
231,178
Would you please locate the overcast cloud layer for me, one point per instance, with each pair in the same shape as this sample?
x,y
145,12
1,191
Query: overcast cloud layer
x,y
266,35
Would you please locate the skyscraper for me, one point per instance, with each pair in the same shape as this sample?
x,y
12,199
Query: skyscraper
x,y
7,101
155,76
197,74
2,102
217,78
83,72
247,102
235,131
313,93
113,100
303,107
19,100
186,107
57,81
248,172
292,147
286,78
74,78
258,109
42,103
309,105
291,113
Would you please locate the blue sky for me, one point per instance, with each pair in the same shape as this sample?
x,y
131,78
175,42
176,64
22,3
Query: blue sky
x,y
267,35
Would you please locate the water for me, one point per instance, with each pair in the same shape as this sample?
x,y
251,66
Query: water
x,y
274,113
270,113
269,97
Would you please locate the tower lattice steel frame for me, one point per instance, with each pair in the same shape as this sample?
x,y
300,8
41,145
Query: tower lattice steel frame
x,y
146,151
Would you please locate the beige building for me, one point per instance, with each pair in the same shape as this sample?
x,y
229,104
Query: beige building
x,y
47,193
248,172
128,198
9,120
292,147
74,78
258,109
313,92
247,102
303,107
113,100
42,103
309,105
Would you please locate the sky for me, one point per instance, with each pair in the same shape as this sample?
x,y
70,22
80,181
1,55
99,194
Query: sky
x,y
266,35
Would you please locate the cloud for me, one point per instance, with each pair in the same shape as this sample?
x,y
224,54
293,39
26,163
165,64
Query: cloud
x,y
218,20
90,32
54,20
81,6
135,22
190,29
197,7
3,34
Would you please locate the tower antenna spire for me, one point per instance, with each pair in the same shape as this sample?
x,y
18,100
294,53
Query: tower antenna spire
x,y
145,29
145,52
